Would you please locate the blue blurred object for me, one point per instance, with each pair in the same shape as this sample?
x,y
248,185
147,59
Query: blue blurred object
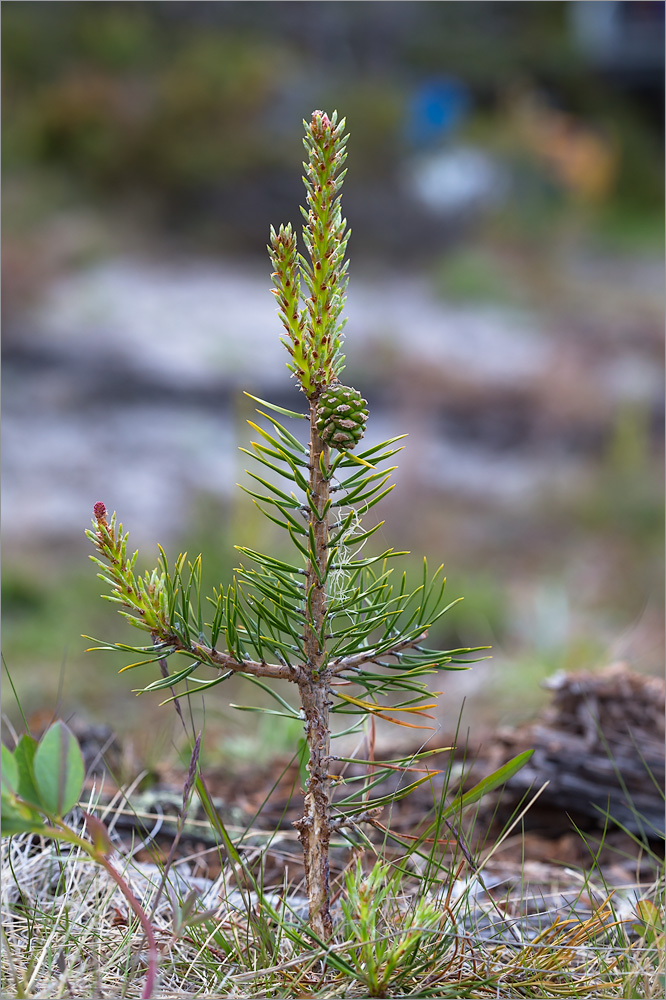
x,y
437,109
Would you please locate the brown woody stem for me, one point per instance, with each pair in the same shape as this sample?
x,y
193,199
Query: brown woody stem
x,y
215,658
278,671
315,825
338,666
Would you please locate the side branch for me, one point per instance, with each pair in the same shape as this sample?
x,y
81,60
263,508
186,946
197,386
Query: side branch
x,y
369,816
206,654
338,666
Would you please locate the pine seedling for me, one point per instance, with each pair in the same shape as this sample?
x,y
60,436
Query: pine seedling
x,y
339,625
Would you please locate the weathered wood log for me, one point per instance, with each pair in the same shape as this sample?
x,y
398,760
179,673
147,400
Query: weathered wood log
x,y
600,748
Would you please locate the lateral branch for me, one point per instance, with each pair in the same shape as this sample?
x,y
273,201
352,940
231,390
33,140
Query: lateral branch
x,y
338,666
206,654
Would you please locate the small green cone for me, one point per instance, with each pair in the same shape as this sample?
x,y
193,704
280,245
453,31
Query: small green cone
x,y
342,414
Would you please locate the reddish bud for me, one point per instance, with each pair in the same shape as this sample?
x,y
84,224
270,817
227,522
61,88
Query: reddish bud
x,y
320,122
99,510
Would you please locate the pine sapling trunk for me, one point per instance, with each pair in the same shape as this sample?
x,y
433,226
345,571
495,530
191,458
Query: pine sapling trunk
x,y
314,826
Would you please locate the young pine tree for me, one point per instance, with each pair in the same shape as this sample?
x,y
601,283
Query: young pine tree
x,y
330,621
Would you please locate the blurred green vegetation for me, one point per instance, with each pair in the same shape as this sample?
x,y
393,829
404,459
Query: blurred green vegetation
x,y
126,102
190,111
476,274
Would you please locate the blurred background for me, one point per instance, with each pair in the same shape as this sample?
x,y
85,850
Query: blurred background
x,y
505,193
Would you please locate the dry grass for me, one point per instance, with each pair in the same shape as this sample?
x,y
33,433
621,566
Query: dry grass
x,y
67,933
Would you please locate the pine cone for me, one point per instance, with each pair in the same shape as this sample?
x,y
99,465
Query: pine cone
x,y
341,416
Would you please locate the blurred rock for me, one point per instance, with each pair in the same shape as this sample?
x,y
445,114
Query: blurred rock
x,y
126,377
456,180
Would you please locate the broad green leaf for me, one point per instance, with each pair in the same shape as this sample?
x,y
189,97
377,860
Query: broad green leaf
x,y
488,784
58,769
10,774
24,756
18,817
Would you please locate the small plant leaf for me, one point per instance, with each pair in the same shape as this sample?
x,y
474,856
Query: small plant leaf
x,y
58,770
99,835
10,774
652,921
17,817
24,756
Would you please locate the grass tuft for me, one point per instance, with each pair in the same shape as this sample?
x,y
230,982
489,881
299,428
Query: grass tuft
x,y
404,925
